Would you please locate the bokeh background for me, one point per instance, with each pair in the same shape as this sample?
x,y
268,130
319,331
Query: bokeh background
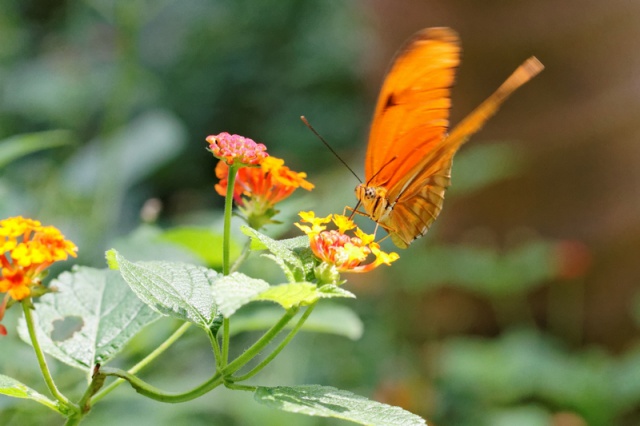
x,y
520,307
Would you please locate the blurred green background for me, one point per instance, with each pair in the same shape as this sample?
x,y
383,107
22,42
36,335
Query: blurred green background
x,y
520,307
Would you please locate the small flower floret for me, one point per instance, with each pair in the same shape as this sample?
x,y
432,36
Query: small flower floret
x,y
236,149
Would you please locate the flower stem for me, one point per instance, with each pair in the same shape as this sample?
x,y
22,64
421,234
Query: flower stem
x,y
228,205
226,249
145,361
255,370
258,346
42,362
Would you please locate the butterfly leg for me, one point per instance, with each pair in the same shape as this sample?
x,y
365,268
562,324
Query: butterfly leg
x,y
353,212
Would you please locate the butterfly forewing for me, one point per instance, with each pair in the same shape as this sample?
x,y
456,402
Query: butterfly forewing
x,y
412,111
409,157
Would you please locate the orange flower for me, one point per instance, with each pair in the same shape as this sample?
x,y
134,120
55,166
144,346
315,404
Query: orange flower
x,y
341,251
258,189
28,248
236,149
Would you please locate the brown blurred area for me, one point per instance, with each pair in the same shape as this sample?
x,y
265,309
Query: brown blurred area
x,y
577,122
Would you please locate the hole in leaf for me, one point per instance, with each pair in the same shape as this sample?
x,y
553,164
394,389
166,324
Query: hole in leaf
x,y
64,328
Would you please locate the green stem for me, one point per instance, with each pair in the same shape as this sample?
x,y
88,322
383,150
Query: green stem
x,y
74,420
145,361
97,381
154,393
226,249
42,362
225,341
228,205
243,255
255,370
216,350
234,386
258,346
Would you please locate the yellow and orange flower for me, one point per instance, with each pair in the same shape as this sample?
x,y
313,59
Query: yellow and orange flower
x,y
28,248
258,189
236,149
343,252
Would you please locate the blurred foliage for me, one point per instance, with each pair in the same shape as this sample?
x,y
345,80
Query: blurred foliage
x,y
105,104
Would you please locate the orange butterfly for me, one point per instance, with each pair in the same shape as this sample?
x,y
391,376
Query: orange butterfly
x,y
409,157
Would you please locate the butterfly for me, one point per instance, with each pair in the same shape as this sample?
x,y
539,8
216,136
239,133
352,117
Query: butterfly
x,y
409,155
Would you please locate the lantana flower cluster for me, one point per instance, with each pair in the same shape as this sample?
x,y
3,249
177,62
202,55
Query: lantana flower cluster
x,y
260,186
28,248
339,251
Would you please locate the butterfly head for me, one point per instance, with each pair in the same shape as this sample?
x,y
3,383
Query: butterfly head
x,y
374,201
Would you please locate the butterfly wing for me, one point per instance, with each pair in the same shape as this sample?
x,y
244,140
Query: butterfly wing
x,y
411,216
416,199
412,112
409,157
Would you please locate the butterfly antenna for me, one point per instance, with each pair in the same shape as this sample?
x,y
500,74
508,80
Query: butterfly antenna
x,y
306,123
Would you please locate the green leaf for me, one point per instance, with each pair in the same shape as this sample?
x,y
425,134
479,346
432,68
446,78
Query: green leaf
x,y
11,387
176,289
21,145
327,318
326,401
200,241
89,319
235,290
286,258
300,294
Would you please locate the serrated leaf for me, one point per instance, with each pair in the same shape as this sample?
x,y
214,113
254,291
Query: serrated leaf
x,y
11,387
89,319
175,289
281,249
329,291
327,318
235,290
326,401
300,294
202,242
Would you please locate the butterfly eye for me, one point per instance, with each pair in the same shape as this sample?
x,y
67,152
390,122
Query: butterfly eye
x,y
370,193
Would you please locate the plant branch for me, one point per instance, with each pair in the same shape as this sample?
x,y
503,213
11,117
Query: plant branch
x,y
42,362
144,388
259,345
145,361
255,370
